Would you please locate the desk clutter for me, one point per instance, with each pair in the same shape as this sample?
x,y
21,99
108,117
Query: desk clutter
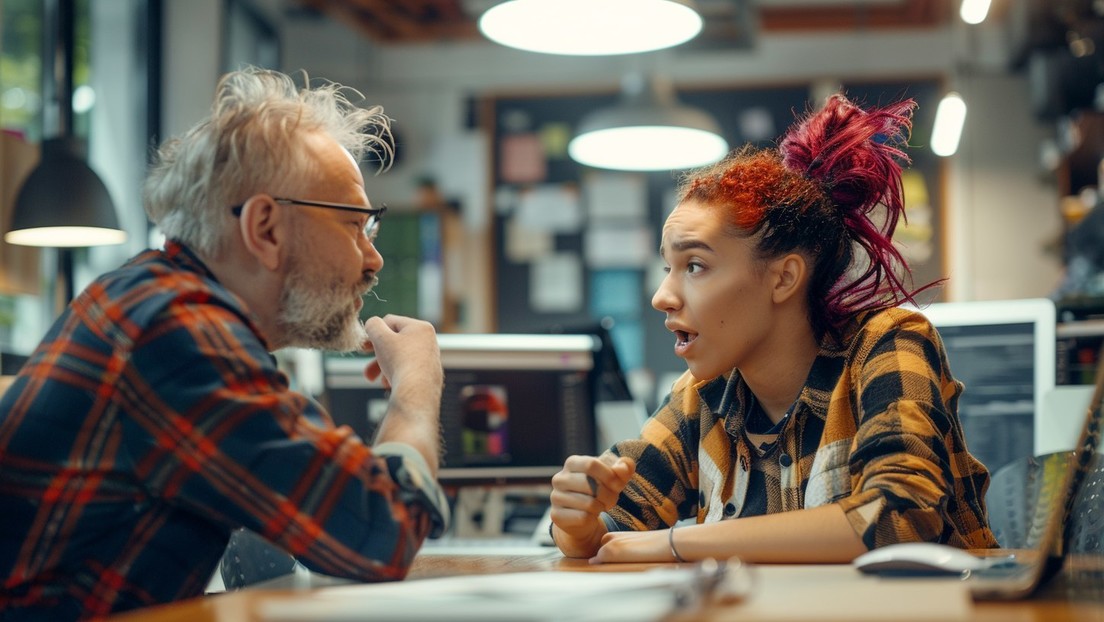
x,y
731,590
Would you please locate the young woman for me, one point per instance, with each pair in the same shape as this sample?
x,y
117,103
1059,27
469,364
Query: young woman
x,y
816,419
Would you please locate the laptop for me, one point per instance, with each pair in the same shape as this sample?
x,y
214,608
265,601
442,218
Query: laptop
x,y
1058,478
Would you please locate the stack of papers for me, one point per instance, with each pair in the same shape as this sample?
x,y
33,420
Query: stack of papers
x,y
523,597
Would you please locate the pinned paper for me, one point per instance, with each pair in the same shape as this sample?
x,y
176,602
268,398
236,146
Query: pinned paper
x,y
521,159
556,284
611,246
551,207
616,196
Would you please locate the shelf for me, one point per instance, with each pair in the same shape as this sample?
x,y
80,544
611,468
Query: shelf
x,y
1084,328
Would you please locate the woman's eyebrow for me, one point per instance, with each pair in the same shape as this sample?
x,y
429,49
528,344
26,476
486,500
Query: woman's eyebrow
x,y
685,245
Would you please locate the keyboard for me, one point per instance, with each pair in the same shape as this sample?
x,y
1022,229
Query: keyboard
x,y
504,545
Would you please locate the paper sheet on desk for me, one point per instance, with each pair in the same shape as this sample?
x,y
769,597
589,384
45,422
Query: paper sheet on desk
x,y
522,597
836,593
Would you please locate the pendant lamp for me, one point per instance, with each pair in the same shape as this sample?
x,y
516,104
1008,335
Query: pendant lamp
x,y
62,203
649,130
591,27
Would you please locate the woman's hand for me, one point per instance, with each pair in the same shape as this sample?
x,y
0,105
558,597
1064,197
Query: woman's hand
x,y
634,546
581,491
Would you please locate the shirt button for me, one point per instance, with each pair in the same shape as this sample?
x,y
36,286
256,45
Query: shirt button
x,y
785,460
730,509
701,499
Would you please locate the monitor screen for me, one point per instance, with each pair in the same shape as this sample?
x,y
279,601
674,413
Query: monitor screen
x,y
514,406
1003,351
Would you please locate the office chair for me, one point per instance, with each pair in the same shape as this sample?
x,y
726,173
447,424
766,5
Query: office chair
x,y
250,559
1013,499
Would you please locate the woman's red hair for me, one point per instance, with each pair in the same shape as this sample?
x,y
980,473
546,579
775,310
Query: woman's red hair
x,y
832,187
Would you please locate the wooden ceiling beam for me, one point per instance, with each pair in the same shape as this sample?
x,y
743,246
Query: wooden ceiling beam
x,y
906,14
425,21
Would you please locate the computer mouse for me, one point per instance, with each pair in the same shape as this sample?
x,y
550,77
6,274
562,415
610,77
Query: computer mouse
x,y
917,559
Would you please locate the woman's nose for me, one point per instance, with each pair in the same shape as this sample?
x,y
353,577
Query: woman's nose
x,y
664,299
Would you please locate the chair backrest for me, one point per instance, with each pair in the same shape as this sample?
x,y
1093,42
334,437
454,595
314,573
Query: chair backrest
x,y
250,559
1013,500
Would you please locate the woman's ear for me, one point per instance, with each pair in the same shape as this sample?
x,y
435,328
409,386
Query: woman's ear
x,y
261,230
790,273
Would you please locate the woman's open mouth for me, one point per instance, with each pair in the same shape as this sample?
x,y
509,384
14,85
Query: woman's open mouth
x,y
683,340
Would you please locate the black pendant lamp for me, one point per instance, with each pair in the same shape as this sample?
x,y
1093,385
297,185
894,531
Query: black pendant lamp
x,y
63,203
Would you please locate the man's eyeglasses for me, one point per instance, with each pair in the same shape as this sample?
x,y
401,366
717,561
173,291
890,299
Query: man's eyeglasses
x,y
371,228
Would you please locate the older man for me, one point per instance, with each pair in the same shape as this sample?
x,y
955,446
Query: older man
x,y
152,421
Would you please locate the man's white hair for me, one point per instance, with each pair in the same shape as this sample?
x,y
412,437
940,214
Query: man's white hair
x,y
251,140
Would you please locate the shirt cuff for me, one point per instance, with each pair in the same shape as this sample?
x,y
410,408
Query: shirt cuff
x,y
410,471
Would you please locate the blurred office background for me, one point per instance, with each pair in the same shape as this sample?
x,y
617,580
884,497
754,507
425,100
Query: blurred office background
x,y
497,229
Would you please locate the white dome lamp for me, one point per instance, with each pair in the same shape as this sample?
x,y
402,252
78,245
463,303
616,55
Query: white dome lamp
x,y
647,131
591,27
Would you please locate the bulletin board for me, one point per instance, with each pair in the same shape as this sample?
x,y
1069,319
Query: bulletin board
x,y
574,245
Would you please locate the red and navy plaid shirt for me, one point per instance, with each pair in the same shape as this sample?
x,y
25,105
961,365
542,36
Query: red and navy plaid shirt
x,y
150,423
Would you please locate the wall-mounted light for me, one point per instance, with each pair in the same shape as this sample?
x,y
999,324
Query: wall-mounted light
x,y
950,116
591,27
648,130
974,11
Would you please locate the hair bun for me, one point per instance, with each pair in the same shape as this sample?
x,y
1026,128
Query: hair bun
x,y
852,152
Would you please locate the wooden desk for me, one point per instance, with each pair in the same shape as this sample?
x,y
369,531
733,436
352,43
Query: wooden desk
x,y
1069,598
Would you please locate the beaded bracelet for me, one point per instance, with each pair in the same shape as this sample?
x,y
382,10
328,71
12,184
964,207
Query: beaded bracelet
x,y
671,543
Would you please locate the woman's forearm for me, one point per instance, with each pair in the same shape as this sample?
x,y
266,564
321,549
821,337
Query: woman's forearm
x,y
817,535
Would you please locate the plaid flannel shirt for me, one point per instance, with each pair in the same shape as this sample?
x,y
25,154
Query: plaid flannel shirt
x,y
874,430
150,423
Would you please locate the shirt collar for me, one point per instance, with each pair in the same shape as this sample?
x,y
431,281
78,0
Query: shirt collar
x,y
729,395
186,258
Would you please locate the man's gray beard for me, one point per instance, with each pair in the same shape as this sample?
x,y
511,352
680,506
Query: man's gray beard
x,y
319,314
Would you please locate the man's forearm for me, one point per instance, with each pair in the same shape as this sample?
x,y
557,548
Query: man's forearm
x,y
415,421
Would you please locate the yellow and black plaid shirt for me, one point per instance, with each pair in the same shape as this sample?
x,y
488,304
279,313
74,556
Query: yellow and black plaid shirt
x,y
875,430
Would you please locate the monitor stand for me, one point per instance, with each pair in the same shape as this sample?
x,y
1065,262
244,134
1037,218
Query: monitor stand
x,y
503,511
498,519
486,502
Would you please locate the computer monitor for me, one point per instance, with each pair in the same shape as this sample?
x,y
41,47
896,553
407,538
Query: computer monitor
x,y
1004,353
514,406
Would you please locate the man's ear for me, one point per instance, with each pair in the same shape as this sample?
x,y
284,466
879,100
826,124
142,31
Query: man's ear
x,y
790,273
261,230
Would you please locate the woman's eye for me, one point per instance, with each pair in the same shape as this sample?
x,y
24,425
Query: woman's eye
x,y
693,267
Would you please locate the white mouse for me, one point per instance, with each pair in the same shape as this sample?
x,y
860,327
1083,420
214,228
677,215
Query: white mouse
x,y
917,558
